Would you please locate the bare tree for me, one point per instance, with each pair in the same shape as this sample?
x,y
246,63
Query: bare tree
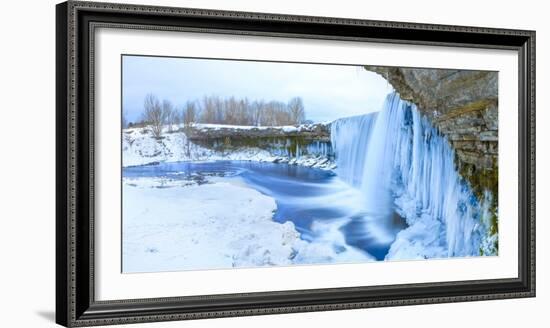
x,y
189,115
230,111
276,113
170,115
124,119
256,112
235,111
208,109
244,112
296,110
154,115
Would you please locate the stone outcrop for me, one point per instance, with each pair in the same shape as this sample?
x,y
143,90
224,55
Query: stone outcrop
x,y
314,132
290,141
463,105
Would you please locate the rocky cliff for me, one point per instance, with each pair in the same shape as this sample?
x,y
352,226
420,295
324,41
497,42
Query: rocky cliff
x,y
314,132
463,105
290,141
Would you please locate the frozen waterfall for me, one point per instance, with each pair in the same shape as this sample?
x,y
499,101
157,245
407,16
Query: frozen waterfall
x,y
401,164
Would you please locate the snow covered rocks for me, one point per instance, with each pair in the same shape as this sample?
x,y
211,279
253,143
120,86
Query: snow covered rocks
x,y
140,147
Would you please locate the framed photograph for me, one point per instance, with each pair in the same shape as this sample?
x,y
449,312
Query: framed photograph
x,y
214,163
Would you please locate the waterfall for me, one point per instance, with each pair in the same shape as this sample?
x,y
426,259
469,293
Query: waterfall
x,y
403,165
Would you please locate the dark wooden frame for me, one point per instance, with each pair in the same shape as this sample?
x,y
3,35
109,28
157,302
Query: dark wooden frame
x,y
76,23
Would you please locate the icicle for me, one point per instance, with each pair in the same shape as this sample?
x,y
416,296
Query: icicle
x,y
402,164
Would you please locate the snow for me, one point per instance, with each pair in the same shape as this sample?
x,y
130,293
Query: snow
x,y
290,129
210,126
172,225
139,147
189,228
284,128
418,241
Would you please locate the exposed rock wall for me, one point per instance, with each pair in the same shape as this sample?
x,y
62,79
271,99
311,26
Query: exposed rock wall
x,y
292,141
314,132
463,105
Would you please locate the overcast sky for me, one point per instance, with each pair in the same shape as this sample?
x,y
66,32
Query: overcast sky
x,y
328,91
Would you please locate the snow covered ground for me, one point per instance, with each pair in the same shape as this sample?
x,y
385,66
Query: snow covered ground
x,y
139,147
172,225
177,224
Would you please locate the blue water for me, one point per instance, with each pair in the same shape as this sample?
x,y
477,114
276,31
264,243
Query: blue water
x,y
303,195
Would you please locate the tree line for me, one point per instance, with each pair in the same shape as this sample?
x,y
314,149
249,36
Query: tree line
x,y
217,110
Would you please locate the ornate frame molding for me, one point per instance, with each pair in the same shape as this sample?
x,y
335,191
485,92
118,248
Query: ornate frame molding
x,y
76,24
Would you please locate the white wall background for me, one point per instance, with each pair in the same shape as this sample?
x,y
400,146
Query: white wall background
x,y
27,161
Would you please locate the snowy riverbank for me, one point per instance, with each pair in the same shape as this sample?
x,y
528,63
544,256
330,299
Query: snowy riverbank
x,y
139,147
174,225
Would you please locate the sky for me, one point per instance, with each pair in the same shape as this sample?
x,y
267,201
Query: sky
x,y
328,91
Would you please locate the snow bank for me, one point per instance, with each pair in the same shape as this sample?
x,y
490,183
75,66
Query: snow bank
x,y
209,226
139,147
172,225
284,128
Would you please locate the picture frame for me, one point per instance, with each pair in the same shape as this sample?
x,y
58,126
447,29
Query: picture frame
x,y
76,135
